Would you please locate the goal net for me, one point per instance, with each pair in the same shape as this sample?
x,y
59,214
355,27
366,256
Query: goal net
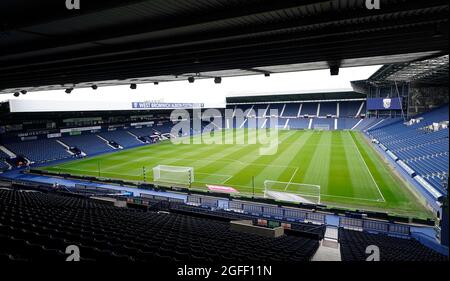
x,y
322,127
292,192
173,174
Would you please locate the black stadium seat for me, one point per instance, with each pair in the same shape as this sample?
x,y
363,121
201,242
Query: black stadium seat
x,y
354,244
38,226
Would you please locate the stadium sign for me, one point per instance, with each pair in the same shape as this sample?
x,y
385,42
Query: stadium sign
x,y
165,105
72,130
384,104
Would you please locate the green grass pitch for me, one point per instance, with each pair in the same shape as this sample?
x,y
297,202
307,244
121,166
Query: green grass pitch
x,y
349,171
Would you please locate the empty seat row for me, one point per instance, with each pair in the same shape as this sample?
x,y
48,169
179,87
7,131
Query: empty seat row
x,y
42,225
354,245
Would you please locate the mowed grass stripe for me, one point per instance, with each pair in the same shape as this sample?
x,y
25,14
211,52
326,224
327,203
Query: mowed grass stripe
x,y
294,153
395,192
317,172
359,175
339,168
244,173
271,167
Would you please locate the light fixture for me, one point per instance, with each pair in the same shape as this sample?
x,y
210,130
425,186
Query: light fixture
x,y
334,69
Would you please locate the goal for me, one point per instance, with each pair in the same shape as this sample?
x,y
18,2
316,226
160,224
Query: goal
x,y
173,175
292,192
322,127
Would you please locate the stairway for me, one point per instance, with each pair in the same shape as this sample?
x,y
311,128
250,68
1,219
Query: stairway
x,y
329,249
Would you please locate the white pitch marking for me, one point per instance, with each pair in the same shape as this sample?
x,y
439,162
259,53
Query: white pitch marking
x,y
290,180
370,173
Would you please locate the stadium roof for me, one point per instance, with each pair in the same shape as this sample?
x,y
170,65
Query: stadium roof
x,y
429,71
108,42
330,95
432,71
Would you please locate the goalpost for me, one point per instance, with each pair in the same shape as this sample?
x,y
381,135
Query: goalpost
x,y
173,175
292,192
322,127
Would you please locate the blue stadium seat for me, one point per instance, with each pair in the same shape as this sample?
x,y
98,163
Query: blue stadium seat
x,y
424,151
88,143
328,108
39,151
309,108
347,123
122,137
291,110
350,108
299,123
50,222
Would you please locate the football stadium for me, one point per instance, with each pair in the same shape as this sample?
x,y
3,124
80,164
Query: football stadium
x,y
224,132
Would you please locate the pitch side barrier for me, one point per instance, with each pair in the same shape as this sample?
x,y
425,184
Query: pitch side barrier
x,y
375,226
368,221
258,209
250,204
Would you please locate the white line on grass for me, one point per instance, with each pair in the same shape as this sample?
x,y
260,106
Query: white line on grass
x,y
290,180
351,198
227,180
212,174
322,195
370,173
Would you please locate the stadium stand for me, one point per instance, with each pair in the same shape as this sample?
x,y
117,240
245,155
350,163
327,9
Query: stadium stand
x,y
141,132
366,123
309,108
354,243
164,127
425,151
3,166
3,157
35,225
291,110
328,108
347,123
88,143
350,108
121,137
259,110
276,106
42,150
299,123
